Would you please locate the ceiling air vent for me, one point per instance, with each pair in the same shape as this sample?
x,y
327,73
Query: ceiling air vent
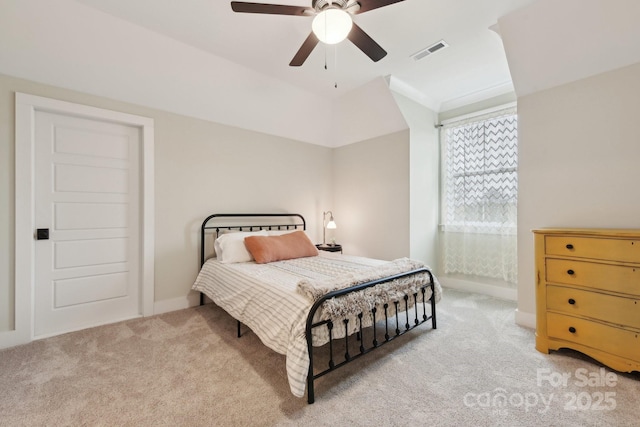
x,y
429,50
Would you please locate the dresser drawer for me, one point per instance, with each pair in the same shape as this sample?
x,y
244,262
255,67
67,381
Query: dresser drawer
x,y
622,250
609,308
594,334
613,278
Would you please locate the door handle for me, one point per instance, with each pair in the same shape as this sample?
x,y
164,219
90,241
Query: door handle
x,y
42,234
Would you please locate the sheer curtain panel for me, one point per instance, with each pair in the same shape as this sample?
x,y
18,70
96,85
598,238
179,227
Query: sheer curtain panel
x,y
480,196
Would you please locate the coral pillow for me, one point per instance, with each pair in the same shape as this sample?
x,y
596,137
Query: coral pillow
x,y
266,249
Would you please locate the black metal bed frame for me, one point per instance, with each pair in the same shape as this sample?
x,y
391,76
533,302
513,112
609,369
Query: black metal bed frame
x,y
400,313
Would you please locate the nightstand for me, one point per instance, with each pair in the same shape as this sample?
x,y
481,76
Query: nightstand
x,y
329,248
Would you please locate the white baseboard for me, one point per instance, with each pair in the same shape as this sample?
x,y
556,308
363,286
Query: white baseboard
x,y
174,304
13,338
501,292
528,320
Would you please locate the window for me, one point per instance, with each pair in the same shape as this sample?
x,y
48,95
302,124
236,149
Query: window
x,y
480,195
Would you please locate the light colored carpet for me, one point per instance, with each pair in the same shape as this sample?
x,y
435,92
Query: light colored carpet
x,y
187,368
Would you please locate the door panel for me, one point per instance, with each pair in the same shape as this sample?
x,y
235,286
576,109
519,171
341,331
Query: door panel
x,y
91,143
87,193
81,216
90,252
82,290
90,179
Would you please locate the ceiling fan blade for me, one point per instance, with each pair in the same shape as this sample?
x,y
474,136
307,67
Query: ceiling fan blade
x,y
272,9
304,51
366,5
366,44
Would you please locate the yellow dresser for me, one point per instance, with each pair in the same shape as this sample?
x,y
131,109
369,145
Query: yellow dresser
x,y
588,294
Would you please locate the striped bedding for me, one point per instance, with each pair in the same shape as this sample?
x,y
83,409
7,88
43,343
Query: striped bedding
x,y
264,297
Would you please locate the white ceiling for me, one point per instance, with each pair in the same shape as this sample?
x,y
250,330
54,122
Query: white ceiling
x,y
473,67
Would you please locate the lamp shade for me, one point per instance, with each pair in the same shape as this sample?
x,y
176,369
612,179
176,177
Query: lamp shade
x,y
331,26
331,225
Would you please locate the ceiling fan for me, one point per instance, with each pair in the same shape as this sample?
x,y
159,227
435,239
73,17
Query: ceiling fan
x,y
332,23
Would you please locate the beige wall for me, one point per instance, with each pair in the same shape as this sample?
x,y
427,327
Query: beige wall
x,y
371,196
579,152
424,179
200,168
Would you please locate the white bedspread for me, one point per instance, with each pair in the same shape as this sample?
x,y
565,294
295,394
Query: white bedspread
x,y
264,297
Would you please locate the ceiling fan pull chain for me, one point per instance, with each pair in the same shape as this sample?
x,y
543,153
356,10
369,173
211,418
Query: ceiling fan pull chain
x,y
335,61
325,57
335,57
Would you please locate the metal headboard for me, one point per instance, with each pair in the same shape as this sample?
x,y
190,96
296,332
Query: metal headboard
x,y
249,222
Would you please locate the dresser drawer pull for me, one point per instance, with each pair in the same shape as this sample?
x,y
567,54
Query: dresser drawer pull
x,y
569,246
571,272
572,329
571,301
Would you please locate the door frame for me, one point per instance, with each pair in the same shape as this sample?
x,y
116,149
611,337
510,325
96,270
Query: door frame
x,y
25,107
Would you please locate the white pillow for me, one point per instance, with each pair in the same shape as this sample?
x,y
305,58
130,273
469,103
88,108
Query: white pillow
x,y
230,247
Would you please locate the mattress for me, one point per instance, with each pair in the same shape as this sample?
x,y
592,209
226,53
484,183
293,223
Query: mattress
x,y
265,298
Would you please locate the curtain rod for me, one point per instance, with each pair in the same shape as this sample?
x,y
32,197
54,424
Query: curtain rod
x,y
475,114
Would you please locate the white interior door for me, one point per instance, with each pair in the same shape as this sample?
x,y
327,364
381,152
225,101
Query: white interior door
x,y
87,194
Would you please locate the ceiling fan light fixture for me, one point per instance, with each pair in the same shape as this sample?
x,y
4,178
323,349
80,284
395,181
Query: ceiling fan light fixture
x,y
332,25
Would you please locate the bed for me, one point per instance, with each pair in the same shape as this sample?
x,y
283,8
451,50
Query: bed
x,y
264,271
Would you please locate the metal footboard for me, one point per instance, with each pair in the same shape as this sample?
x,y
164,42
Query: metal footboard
x,y
408,313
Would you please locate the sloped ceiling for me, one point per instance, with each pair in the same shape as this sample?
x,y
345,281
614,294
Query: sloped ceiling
x,y
97,47
550,42
69,45
474,62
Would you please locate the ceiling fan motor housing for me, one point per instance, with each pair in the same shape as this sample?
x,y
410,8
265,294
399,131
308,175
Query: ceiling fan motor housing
x,y
320,5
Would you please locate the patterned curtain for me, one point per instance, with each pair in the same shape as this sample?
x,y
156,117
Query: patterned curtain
x,y
480,195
